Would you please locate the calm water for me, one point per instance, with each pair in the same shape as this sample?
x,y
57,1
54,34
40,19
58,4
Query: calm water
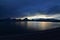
x,y
14,27
18,30
30,25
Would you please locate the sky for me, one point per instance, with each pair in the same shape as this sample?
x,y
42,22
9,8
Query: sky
x,y
23,8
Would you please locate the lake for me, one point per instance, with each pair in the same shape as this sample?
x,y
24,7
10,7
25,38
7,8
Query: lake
x,y
27,25
20,28
33,25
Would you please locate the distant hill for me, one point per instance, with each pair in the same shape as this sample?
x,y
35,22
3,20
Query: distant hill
x,y
41,19
26,19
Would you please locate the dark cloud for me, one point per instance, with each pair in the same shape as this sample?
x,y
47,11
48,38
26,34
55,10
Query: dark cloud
x,y
55,9
19,8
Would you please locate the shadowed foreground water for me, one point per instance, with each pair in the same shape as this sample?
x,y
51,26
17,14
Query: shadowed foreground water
x,y
29,30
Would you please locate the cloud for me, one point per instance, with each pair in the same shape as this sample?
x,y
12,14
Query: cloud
x,y
20,8
54,9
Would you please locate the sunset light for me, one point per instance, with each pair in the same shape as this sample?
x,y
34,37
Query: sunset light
x,y
38,16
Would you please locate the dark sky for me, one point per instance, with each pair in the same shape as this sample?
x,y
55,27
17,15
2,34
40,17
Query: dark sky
x,y
20,8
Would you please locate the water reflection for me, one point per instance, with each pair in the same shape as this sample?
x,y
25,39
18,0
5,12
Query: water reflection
x,y
38,25
45,25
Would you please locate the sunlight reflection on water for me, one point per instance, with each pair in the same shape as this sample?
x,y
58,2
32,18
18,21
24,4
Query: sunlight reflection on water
x,y
38,25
